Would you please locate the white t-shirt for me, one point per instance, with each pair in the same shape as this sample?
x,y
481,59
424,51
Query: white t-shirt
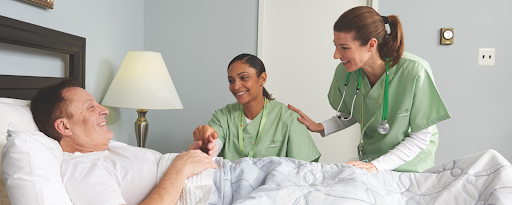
x,y
122,174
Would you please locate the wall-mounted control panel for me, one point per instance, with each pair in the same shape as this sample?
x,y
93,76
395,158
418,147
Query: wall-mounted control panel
x,y
447,36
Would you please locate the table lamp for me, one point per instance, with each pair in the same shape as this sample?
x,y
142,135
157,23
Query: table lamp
x,y
142,82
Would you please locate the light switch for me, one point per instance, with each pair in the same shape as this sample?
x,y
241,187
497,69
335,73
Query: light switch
x,y
447,36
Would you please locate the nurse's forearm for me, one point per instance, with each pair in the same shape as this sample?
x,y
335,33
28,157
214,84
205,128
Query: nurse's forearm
x,y
405,151
335,124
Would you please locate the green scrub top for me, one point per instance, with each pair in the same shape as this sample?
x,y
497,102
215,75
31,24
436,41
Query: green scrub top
x,y
282,135
414,105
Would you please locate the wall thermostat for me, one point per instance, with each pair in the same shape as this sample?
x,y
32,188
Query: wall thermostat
x,y
447,36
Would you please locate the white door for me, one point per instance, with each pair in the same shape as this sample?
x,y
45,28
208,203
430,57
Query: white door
x,y
295,41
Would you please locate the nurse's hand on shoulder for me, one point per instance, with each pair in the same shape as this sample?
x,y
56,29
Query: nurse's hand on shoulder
x,y
207,135
304,119
368,166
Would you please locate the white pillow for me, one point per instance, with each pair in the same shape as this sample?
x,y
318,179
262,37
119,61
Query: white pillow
x,y
31,168
17,111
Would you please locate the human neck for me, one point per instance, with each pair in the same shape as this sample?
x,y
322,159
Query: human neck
x,y
254,107
71,146
374,68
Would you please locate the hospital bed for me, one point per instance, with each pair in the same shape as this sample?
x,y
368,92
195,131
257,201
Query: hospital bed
x,y
31,161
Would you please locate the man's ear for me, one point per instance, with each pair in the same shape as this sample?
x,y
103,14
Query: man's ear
x,y
62,126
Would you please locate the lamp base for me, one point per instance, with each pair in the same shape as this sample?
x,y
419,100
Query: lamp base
x,y
141,128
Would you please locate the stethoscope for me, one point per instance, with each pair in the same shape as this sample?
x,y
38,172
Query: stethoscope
x,y
383,127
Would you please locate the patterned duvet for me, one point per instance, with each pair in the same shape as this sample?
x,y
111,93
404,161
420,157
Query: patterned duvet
x,y
482,178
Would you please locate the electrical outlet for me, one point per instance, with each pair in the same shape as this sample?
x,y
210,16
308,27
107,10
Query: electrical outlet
x,y
486,56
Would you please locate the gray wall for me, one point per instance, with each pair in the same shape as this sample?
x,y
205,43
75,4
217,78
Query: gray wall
x,y
478,98
111,28
197,40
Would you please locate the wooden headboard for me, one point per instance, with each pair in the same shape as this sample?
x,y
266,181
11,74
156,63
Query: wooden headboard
x,y
29,35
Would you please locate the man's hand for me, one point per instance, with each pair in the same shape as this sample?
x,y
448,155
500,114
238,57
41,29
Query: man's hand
x,y
190,163
207,135
304,119
368,166
197,146
185,165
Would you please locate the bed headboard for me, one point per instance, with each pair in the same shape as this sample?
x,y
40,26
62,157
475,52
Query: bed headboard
x,y
29,35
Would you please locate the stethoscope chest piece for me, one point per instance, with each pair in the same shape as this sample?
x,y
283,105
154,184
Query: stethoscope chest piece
x,y
383,127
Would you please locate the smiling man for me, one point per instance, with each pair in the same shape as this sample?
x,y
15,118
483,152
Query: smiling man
x,y
96,170
85,130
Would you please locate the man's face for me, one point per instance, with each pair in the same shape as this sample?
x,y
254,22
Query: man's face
x,y
88,125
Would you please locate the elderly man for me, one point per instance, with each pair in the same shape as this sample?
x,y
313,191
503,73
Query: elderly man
x,y
98,171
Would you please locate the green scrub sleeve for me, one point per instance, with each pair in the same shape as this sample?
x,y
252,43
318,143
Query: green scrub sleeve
x,y
428,108
300,144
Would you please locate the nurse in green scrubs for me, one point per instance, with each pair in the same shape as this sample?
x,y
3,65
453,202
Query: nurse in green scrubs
x,y
256,125
410,99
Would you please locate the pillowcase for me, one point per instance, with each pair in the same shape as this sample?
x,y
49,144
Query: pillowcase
x,y
17,111
31,168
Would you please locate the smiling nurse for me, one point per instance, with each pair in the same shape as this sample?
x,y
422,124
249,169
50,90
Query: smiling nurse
x,y
256,125
389,92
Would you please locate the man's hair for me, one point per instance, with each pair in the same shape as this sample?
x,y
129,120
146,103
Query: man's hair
x,y
49,105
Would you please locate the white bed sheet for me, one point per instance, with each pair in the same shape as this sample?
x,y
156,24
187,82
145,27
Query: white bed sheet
x,y
482,178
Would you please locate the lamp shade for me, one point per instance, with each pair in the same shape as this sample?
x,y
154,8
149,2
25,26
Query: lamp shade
x,y
143,82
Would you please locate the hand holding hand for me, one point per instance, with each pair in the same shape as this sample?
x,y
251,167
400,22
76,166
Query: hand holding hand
x,y
207,135
190,163
368,166
212,147
304,119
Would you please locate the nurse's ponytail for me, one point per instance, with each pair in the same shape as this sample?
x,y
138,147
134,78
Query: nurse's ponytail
x,y
253,62
366,24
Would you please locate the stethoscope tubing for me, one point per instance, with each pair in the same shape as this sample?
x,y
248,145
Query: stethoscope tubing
x,y
383,127
355,96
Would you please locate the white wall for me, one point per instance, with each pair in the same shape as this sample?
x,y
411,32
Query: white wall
x,y
111,28
295,43
478,98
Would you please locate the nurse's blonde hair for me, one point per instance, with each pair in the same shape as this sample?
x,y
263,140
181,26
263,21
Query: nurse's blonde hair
x,y
366,24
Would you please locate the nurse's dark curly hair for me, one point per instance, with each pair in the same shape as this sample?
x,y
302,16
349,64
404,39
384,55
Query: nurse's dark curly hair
x,y
366,24
253,62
